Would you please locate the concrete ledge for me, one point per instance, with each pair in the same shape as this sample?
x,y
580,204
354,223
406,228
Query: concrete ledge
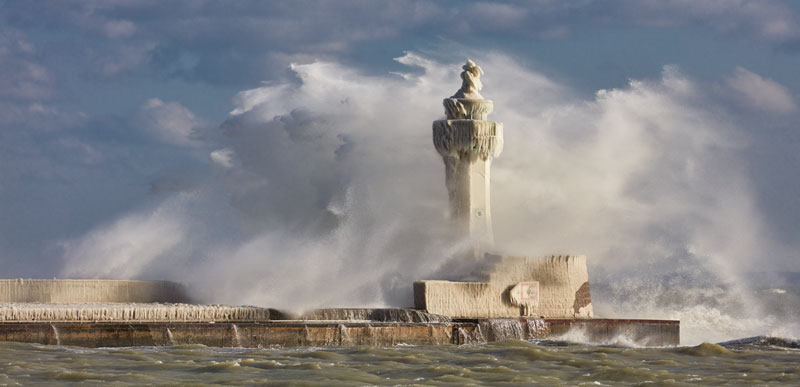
x,y
325,333
130,312
77,291
369,314
227,334
156,312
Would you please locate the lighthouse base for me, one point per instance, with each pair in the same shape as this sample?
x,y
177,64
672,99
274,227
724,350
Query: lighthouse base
x,y
555,286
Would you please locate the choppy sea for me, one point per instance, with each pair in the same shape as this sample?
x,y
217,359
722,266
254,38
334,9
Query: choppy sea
x,y
752,361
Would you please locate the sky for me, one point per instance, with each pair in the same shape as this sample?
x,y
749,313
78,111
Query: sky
x,y
282,150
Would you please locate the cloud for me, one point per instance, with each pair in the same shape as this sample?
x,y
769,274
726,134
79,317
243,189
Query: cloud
x,y
170,122
85,152
22,78
122,60
222,157
27,87
752,90
260,40
764,20
119,28
495,16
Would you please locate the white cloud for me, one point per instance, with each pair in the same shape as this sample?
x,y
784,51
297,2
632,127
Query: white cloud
x,y
170,122
222,157
754,91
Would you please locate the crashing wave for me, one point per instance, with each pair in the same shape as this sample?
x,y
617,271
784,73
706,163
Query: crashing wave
x,y
762,341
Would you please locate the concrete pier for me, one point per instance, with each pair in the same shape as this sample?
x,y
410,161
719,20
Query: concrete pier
x,y
415,328
130,312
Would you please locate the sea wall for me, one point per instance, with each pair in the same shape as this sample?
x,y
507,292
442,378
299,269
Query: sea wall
x,y
343,333
129,312
80,291
157,312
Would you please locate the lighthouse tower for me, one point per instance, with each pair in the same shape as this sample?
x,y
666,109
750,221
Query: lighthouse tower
x,y
467,143
498,286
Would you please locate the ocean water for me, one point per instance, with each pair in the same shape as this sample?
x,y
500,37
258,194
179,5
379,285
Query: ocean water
x,y
753,361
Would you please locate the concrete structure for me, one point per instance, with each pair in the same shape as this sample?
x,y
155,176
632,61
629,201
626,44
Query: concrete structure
x,y
72,290
436,330
467,144
68,300
552,287
504,286
129,312
368,314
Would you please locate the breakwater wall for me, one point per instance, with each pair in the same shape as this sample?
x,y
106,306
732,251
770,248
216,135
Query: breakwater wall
x,y
293,333
131,312
82,291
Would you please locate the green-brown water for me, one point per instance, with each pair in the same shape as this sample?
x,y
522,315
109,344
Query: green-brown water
x,y
513,362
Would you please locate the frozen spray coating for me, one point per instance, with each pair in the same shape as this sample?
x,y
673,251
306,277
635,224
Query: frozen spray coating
x,y
83,291
322,190
467,143
128,312
32,300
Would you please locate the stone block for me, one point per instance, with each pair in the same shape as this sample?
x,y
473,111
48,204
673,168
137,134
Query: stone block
x,y
504,287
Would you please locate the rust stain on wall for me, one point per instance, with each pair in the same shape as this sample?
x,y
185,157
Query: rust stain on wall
x,y
582,297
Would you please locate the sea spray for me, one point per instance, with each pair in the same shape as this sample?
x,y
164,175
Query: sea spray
x,y
237,340
54,331
170,338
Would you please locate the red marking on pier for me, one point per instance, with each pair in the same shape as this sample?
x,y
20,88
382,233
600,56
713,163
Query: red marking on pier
x,y
529,291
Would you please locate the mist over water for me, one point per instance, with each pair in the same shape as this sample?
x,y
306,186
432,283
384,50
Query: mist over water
x,y
325,190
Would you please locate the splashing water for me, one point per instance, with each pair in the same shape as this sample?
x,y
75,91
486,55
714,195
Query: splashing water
x,y
54,329
170,338
237,340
